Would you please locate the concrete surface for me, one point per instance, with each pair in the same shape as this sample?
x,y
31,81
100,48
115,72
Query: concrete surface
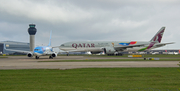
x,y
23,62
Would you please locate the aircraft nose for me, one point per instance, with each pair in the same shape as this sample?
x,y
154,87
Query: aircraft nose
x,y
36,54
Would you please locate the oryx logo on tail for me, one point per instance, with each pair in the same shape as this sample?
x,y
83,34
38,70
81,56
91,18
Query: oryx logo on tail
x,y
157,38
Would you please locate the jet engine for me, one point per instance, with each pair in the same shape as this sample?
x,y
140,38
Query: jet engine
x,y
109,50
54,54
30,54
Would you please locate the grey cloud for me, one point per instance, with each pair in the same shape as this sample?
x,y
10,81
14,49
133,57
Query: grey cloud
x,y
89,20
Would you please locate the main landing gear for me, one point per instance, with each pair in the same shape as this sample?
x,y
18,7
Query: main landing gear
x,y
67,53
50,57
118,54
37,57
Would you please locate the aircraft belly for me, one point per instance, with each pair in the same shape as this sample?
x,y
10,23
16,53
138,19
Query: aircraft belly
x,y
67,49
46,54
82,49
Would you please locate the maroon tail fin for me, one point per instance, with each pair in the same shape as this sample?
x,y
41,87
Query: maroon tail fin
x,y
158,37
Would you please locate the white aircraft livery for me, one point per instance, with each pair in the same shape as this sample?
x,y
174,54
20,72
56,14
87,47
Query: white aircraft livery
x,y
40,51
114,47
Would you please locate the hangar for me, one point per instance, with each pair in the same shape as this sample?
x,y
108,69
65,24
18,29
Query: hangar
x,y
13,45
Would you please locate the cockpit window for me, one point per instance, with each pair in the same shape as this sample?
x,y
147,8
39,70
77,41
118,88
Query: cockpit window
x,y
62,45
36,49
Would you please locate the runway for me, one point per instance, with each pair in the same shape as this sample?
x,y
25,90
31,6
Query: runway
x,y
23,62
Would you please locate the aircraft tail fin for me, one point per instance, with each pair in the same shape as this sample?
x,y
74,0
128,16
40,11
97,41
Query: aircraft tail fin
x,y
158,37
50,39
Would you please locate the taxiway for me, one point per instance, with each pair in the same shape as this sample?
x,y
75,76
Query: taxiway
x,y
23,62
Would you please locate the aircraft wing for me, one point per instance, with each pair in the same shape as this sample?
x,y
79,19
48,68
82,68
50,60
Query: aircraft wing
x,y
121,48
20,51
55,47
74,50
129,46
163,44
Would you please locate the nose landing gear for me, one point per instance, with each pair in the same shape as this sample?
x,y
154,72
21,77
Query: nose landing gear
x,y
37,57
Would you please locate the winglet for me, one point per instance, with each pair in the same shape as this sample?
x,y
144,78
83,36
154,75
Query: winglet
x,y
157,38
50,39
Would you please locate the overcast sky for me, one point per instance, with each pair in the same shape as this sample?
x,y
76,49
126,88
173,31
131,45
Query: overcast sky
x,y
76,20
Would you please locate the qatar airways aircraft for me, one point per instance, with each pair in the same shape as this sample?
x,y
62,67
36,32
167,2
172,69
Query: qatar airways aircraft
x,y
114,47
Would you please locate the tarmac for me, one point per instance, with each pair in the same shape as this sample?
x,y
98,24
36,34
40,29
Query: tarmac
x,y
23,62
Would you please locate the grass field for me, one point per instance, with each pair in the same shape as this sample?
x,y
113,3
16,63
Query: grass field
x,y
90,79
144,55
104,60
126,55
3,57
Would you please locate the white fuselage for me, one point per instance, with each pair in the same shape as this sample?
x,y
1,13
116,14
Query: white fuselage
x,y
97,46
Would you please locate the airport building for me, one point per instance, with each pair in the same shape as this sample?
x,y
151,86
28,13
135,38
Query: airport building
x,y
10,47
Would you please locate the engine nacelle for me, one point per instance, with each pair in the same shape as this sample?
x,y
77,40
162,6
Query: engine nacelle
x,y
109,50
54,55
30,54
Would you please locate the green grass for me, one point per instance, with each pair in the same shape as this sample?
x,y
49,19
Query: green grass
x,y
145,55
105,60
89,79
13,55
3,57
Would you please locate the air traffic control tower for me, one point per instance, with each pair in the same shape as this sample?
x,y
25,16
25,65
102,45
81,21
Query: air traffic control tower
x,y
32,31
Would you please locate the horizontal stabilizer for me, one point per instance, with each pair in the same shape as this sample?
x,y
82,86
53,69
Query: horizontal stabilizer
x,y
163,44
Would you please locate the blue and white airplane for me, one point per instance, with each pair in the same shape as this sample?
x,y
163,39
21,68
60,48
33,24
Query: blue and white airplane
x,y
43,51
40,51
